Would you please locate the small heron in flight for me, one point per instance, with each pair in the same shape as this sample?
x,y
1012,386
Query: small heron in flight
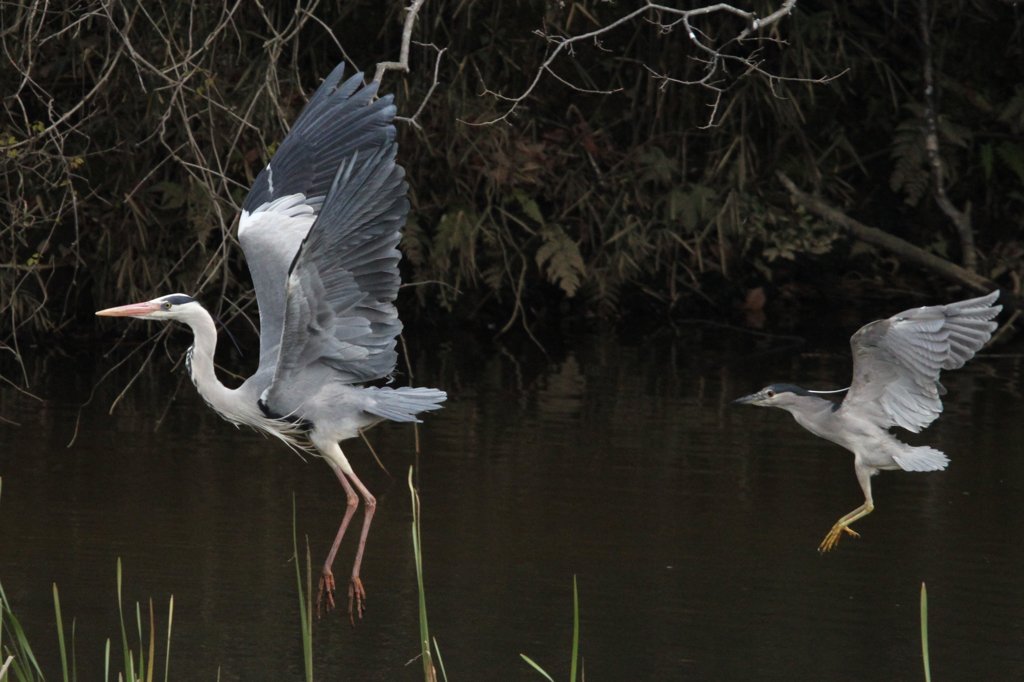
x,y
896,366
320,230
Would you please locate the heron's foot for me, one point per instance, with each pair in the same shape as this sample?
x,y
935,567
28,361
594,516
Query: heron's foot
x,y
326,588
833,536
356,599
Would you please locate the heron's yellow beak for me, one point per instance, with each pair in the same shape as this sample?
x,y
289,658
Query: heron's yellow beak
x,y
130,310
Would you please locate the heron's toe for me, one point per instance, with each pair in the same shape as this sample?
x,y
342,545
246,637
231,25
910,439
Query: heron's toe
x,y
356,599
834,535
325,588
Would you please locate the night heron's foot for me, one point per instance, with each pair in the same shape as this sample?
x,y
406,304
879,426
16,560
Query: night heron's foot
x,y
326,588
832,539
356,599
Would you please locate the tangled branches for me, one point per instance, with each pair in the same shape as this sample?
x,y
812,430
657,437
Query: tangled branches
x,y
125,143
712,48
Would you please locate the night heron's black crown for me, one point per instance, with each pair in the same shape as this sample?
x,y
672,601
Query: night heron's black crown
x,y
787,388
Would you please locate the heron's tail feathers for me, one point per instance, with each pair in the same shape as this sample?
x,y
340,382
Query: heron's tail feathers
x,y
403,404
921,458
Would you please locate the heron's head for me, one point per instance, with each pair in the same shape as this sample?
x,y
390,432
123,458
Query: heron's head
x,y
774,395
171,307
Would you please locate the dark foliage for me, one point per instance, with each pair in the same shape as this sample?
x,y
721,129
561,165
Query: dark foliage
x,y
132,130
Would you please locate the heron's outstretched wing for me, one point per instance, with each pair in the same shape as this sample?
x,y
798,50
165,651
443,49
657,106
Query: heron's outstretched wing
x,y
896,362
289,194
340,319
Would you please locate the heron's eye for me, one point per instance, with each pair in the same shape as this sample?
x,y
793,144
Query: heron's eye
x,y
167,305
770,394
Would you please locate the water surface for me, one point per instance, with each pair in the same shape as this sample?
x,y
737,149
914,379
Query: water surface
x,y
691,525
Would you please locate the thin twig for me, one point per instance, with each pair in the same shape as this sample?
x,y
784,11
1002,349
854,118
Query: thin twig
x,y
403,61
652,11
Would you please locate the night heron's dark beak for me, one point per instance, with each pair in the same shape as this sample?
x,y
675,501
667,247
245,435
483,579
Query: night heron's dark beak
x,y
747,399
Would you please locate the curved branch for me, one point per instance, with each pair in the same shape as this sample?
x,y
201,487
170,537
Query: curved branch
x,y
961,219
403,59
680,16
901,247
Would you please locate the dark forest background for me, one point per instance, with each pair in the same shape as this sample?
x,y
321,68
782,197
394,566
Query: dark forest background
x,y
615,190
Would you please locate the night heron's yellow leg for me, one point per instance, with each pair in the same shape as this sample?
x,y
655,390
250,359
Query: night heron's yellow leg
x,y
843,525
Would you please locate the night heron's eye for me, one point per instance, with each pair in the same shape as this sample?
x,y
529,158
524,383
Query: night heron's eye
x,y
770,394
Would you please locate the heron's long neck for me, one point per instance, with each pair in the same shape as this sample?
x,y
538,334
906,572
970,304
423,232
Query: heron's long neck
x,y
200,365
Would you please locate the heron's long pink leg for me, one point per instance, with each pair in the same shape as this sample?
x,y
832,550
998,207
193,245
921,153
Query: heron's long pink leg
x,y
326,576
356,593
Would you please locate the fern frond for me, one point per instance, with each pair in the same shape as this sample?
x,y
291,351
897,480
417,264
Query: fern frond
x,y
560,259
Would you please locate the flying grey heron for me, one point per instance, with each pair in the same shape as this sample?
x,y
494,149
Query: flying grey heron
x,y
320,230
896,366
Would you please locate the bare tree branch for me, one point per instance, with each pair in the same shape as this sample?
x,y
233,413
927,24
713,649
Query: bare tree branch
x,y
903,249
403,60
430,91
653,13
961,219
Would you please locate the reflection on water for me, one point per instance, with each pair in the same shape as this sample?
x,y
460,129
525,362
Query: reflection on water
x,y
692,526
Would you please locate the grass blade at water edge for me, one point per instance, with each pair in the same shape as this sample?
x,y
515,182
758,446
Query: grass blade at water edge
x,y
440,661
74,656
125,649
536,667
429,674
24,665
305,598
62,645
574,657
152,642
575,630
141,676
924,634
170,622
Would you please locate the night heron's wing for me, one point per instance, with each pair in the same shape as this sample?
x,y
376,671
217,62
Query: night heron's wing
x,y
340,319
341,118
896,362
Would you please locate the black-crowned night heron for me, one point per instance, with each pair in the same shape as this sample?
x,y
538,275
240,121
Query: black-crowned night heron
x,y
896,366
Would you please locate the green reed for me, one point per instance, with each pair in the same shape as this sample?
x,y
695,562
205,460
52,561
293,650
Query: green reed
x,y
305,599
574,655
429,672
18,662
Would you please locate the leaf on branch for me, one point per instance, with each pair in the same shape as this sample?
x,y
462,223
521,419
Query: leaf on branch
x,y
529,206
690,206
1013,112
172,195
953,132
910,173
560,259
414,243
655,165
987,159
1012,156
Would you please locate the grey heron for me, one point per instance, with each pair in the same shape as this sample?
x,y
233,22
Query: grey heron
x,y
896,367
320,229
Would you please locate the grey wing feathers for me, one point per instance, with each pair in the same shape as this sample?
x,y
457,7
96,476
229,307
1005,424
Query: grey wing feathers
x,y
340,316
897,361
403,404
341,119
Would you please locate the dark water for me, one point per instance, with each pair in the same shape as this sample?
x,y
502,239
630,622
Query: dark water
x,y
692,525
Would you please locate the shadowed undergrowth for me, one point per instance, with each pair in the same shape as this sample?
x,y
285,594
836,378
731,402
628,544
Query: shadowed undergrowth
x,y
132,131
